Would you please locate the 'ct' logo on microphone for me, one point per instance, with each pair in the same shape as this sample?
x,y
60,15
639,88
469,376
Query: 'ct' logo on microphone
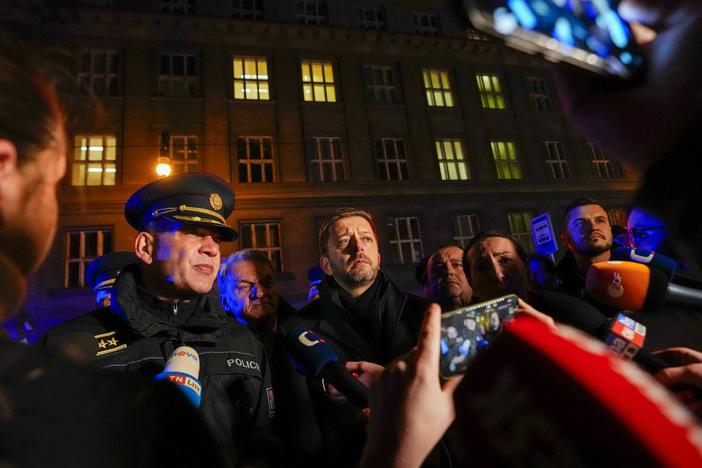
x,y
616,289
309,338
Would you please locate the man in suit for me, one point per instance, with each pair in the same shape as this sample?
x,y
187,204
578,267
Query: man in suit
x,y
362,314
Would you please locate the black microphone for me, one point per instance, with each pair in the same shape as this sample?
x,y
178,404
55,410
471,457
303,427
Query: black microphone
x,y
313,357
577,313
633,286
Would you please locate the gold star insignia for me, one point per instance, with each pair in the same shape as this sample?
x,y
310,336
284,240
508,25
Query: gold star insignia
x,y
112,341
102,344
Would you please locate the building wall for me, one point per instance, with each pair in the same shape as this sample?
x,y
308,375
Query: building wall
x,y
137,115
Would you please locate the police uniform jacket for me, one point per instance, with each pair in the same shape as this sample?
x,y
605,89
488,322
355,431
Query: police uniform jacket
x,y
138,333
339,423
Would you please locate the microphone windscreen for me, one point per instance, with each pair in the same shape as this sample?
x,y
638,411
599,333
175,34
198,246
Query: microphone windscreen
x,y
564,308
620,285
182,369
185,360
543,397
308,351
654,260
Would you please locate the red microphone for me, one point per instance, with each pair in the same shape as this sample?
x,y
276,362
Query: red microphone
x,y
538,397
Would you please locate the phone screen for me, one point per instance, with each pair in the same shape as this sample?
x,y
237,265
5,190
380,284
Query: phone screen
x,y
466,331
588,33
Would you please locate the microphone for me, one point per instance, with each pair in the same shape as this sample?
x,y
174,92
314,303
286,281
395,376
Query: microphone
x,y
313,357
633,286
182,369
654,260
624,336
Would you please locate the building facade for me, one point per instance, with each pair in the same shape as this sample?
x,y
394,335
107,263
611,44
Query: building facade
x,y
400,108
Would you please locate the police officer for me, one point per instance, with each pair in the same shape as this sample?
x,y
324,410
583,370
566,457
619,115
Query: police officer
x,y
102,273
167,300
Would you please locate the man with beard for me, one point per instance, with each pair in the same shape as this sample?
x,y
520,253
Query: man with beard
x,y
362,314
587,235
444,280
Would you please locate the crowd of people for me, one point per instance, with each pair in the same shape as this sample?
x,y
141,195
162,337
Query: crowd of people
x,y
86,396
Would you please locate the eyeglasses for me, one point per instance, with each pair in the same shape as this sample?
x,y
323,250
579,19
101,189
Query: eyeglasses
x,y
639,234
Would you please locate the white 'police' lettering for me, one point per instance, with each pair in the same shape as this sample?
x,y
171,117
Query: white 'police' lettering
x,y
245,364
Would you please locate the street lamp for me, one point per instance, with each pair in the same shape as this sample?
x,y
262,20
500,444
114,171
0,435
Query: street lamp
x,y
163,162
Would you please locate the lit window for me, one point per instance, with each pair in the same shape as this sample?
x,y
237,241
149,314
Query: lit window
x,y
405,240
491,94
465,227
264,236
318,81
326,159
178,75
94,160
426,23
437,87
178,7
555,160
539,99
99,71
391,157
247,9
255,155
372,18
520,227
380,84
506,163
251,78
82,247
452,163
184,153
602,166
312,12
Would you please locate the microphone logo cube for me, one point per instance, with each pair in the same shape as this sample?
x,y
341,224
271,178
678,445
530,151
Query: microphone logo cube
x,y
626,337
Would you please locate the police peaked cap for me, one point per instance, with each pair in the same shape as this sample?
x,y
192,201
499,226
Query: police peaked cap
x,y
193,198
102,272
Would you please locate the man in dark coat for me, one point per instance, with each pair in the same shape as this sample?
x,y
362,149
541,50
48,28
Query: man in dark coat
x,y
362,314
167,301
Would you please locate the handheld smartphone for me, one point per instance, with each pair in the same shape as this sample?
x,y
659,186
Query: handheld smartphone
x,y
465,331
587,33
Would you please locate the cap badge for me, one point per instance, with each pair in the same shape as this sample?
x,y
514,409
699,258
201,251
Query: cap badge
x,y
216,201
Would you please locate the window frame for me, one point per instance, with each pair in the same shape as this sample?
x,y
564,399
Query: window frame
x,y
490,98
388,90
538,93
612,170
109,76
373,24
83,260
510,163
444,89
552,147
521,235
396,242
184,162
87,162
168,6
460,238
267,249
247,81
316,165
382,160
312,85
427,29
167,82
446,163
263,162
242,13
317,18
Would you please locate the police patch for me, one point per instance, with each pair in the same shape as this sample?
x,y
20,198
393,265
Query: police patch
x,y
271,401
108,343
